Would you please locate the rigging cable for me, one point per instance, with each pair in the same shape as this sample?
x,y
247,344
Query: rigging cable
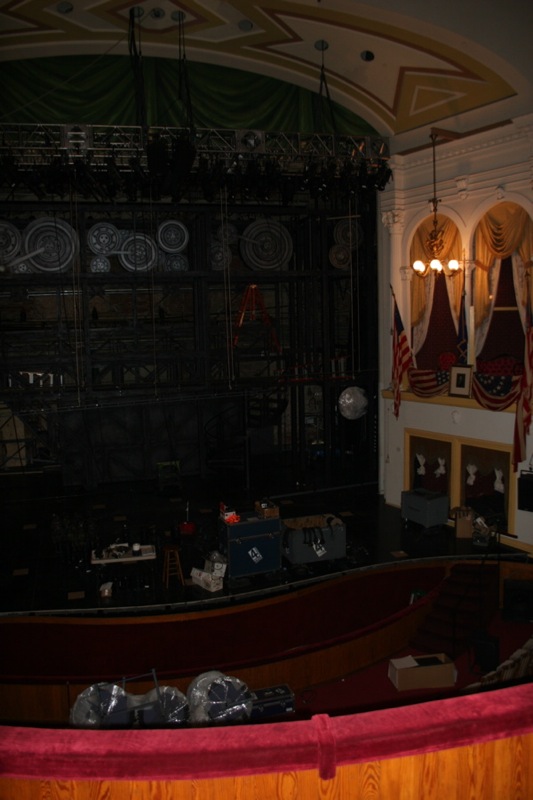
x,y
138,77
79,339
227,289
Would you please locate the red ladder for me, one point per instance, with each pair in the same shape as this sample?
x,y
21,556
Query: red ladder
x,y
253,304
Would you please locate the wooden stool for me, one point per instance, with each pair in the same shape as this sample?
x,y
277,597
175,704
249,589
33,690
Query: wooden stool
x,y
171,564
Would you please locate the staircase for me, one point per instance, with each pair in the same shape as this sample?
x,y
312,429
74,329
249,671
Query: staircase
x,y
467,602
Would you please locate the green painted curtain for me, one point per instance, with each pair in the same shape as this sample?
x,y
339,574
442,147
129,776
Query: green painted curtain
x,y
100,91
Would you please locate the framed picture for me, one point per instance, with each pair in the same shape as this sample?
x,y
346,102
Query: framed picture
x,y
460,381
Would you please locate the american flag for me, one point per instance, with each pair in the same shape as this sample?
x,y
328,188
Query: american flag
x,y
524,405
402,359
429,382
496,392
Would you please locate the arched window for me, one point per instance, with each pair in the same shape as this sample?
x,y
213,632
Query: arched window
x,y
435,297
503,248
505,334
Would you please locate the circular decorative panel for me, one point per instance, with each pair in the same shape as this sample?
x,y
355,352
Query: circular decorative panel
x,y
176,262
266,244
21,268
340,256
227,233
103,239
348,232
172,236
10,240
219,256
51,244
138,253
100,264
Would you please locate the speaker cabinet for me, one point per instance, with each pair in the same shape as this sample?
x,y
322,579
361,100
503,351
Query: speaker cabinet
x,y
525,491
486,651
518,600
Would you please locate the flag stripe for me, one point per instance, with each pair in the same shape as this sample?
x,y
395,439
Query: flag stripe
x,y
429,382
401,358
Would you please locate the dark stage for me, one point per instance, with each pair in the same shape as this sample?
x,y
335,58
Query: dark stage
x,y
49,534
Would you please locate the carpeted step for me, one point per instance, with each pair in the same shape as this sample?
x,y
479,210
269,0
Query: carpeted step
x,y
447,628
467,602
438,644
437,641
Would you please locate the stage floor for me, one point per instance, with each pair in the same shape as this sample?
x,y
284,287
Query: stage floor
x,y
48,535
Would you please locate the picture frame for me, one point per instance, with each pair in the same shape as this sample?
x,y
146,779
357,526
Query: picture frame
x,y
460,381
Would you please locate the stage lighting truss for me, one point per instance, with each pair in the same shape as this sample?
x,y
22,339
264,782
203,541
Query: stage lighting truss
x,y
30,150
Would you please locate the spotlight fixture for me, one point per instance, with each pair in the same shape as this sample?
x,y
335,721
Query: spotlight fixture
x,y
434,243
251,140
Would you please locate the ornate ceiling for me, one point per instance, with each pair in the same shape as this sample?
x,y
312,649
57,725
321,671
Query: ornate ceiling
x,y
459,64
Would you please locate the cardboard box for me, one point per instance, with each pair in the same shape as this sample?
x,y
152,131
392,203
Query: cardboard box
x,y
464,522
266,509
312,521
208,581
422,672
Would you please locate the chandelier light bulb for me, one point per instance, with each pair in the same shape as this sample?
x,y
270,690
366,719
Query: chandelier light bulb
x,y
419,266
435,264
453,265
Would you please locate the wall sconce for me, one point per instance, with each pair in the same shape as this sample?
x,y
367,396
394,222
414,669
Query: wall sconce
x,y
434,243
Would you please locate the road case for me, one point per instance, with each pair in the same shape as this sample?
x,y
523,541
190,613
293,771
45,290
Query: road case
x,y
425,508
323,539
252,545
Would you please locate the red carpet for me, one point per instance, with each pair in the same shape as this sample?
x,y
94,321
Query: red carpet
x,y
371,689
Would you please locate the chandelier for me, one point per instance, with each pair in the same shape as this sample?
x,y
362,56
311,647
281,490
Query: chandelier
x,y
434,243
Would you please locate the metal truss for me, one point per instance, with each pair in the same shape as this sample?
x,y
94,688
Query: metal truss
x,y
40,145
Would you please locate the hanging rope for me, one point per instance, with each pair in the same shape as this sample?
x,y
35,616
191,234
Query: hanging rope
x,y
77,295
230,361
324,89
184,89
138,77
352,314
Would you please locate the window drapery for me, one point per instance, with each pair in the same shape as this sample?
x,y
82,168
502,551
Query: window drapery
x,y
490,282
506,230
422,289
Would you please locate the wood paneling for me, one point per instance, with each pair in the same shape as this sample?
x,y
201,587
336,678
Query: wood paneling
x,y
496,770
31,701
48,701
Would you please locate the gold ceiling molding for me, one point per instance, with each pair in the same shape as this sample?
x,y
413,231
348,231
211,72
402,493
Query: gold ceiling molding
x,y
415,80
